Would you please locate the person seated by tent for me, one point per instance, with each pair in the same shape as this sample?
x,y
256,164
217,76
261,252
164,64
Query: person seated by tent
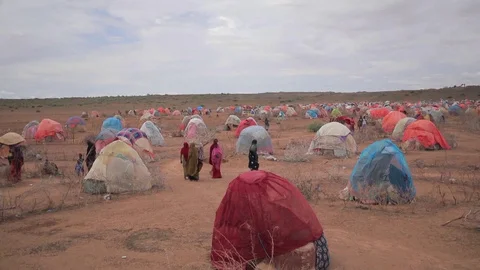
x,y
79,166
253,164
16,161
49,168
215,159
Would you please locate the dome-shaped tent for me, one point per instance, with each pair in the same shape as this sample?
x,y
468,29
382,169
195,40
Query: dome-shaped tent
x,y
264,142
153,133
381,175
117,169
137,139
311,114
49,129
426,134
112,123
74,122
245,124
257,205
196,131
233,121
378,113
390,121
30,129
400,127
105,137
334,137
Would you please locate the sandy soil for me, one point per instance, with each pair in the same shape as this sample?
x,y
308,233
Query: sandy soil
x,y
171,228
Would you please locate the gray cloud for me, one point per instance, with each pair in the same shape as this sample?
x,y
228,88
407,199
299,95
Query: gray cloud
x,y
110,47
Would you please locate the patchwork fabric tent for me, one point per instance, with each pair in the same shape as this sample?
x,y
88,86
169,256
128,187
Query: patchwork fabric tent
x,y
105,137
334,137
153,133
381,175
75,121
390,120
48,128
400,127
425,133
257,206
137,139
264,142
117,169
30,129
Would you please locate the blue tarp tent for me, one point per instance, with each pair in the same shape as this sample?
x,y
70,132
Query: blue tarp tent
x,y
112,123
381,175
312,114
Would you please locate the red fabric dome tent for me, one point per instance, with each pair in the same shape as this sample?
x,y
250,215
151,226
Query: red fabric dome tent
x,y
245,124
390,121
426,133
261,209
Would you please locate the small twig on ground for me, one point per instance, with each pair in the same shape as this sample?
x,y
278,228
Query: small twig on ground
x,y
463,216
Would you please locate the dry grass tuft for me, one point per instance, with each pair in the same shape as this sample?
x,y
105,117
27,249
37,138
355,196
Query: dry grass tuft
x,y
296,151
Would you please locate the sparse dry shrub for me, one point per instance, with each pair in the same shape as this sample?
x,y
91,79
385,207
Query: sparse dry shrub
x,y
471,122
296,151
368,134
315,126
451,140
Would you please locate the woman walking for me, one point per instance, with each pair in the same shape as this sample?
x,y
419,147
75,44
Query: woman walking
x,y
192,163
253,157
184,159
216,156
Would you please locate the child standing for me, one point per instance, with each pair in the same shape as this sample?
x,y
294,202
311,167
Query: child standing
x,y
79,166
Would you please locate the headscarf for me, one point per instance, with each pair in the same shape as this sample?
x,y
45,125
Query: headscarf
x,y
253,147
184,151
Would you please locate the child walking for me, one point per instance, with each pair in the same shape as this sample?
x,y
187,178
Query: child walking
x,y
79,166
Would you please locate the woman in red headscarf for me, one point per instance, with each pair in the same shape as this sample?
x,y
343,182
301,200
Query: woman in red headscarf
x,y
184,159
216,156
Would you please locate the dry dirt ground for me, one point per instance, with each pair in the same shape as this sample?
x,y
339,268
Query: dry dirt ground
x,y
50,224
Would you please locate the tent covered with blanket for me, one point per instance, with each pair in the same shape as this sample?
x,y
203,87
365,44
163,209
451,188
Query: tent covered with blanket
x,y
424,134
333,138
391,119
196,131
137,139
232,121
104,138
153,133
245,124
400,127
264,141
30,129
49,129
381,175
258,205
117,169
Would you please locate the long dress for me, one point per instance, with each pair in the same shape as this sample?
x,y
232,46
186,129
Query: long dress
x,y
192,163
91,155
216,158
253,158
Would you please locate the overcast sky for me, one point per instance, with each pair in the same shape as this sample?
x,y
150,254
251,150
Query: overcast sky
x,y
58,48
